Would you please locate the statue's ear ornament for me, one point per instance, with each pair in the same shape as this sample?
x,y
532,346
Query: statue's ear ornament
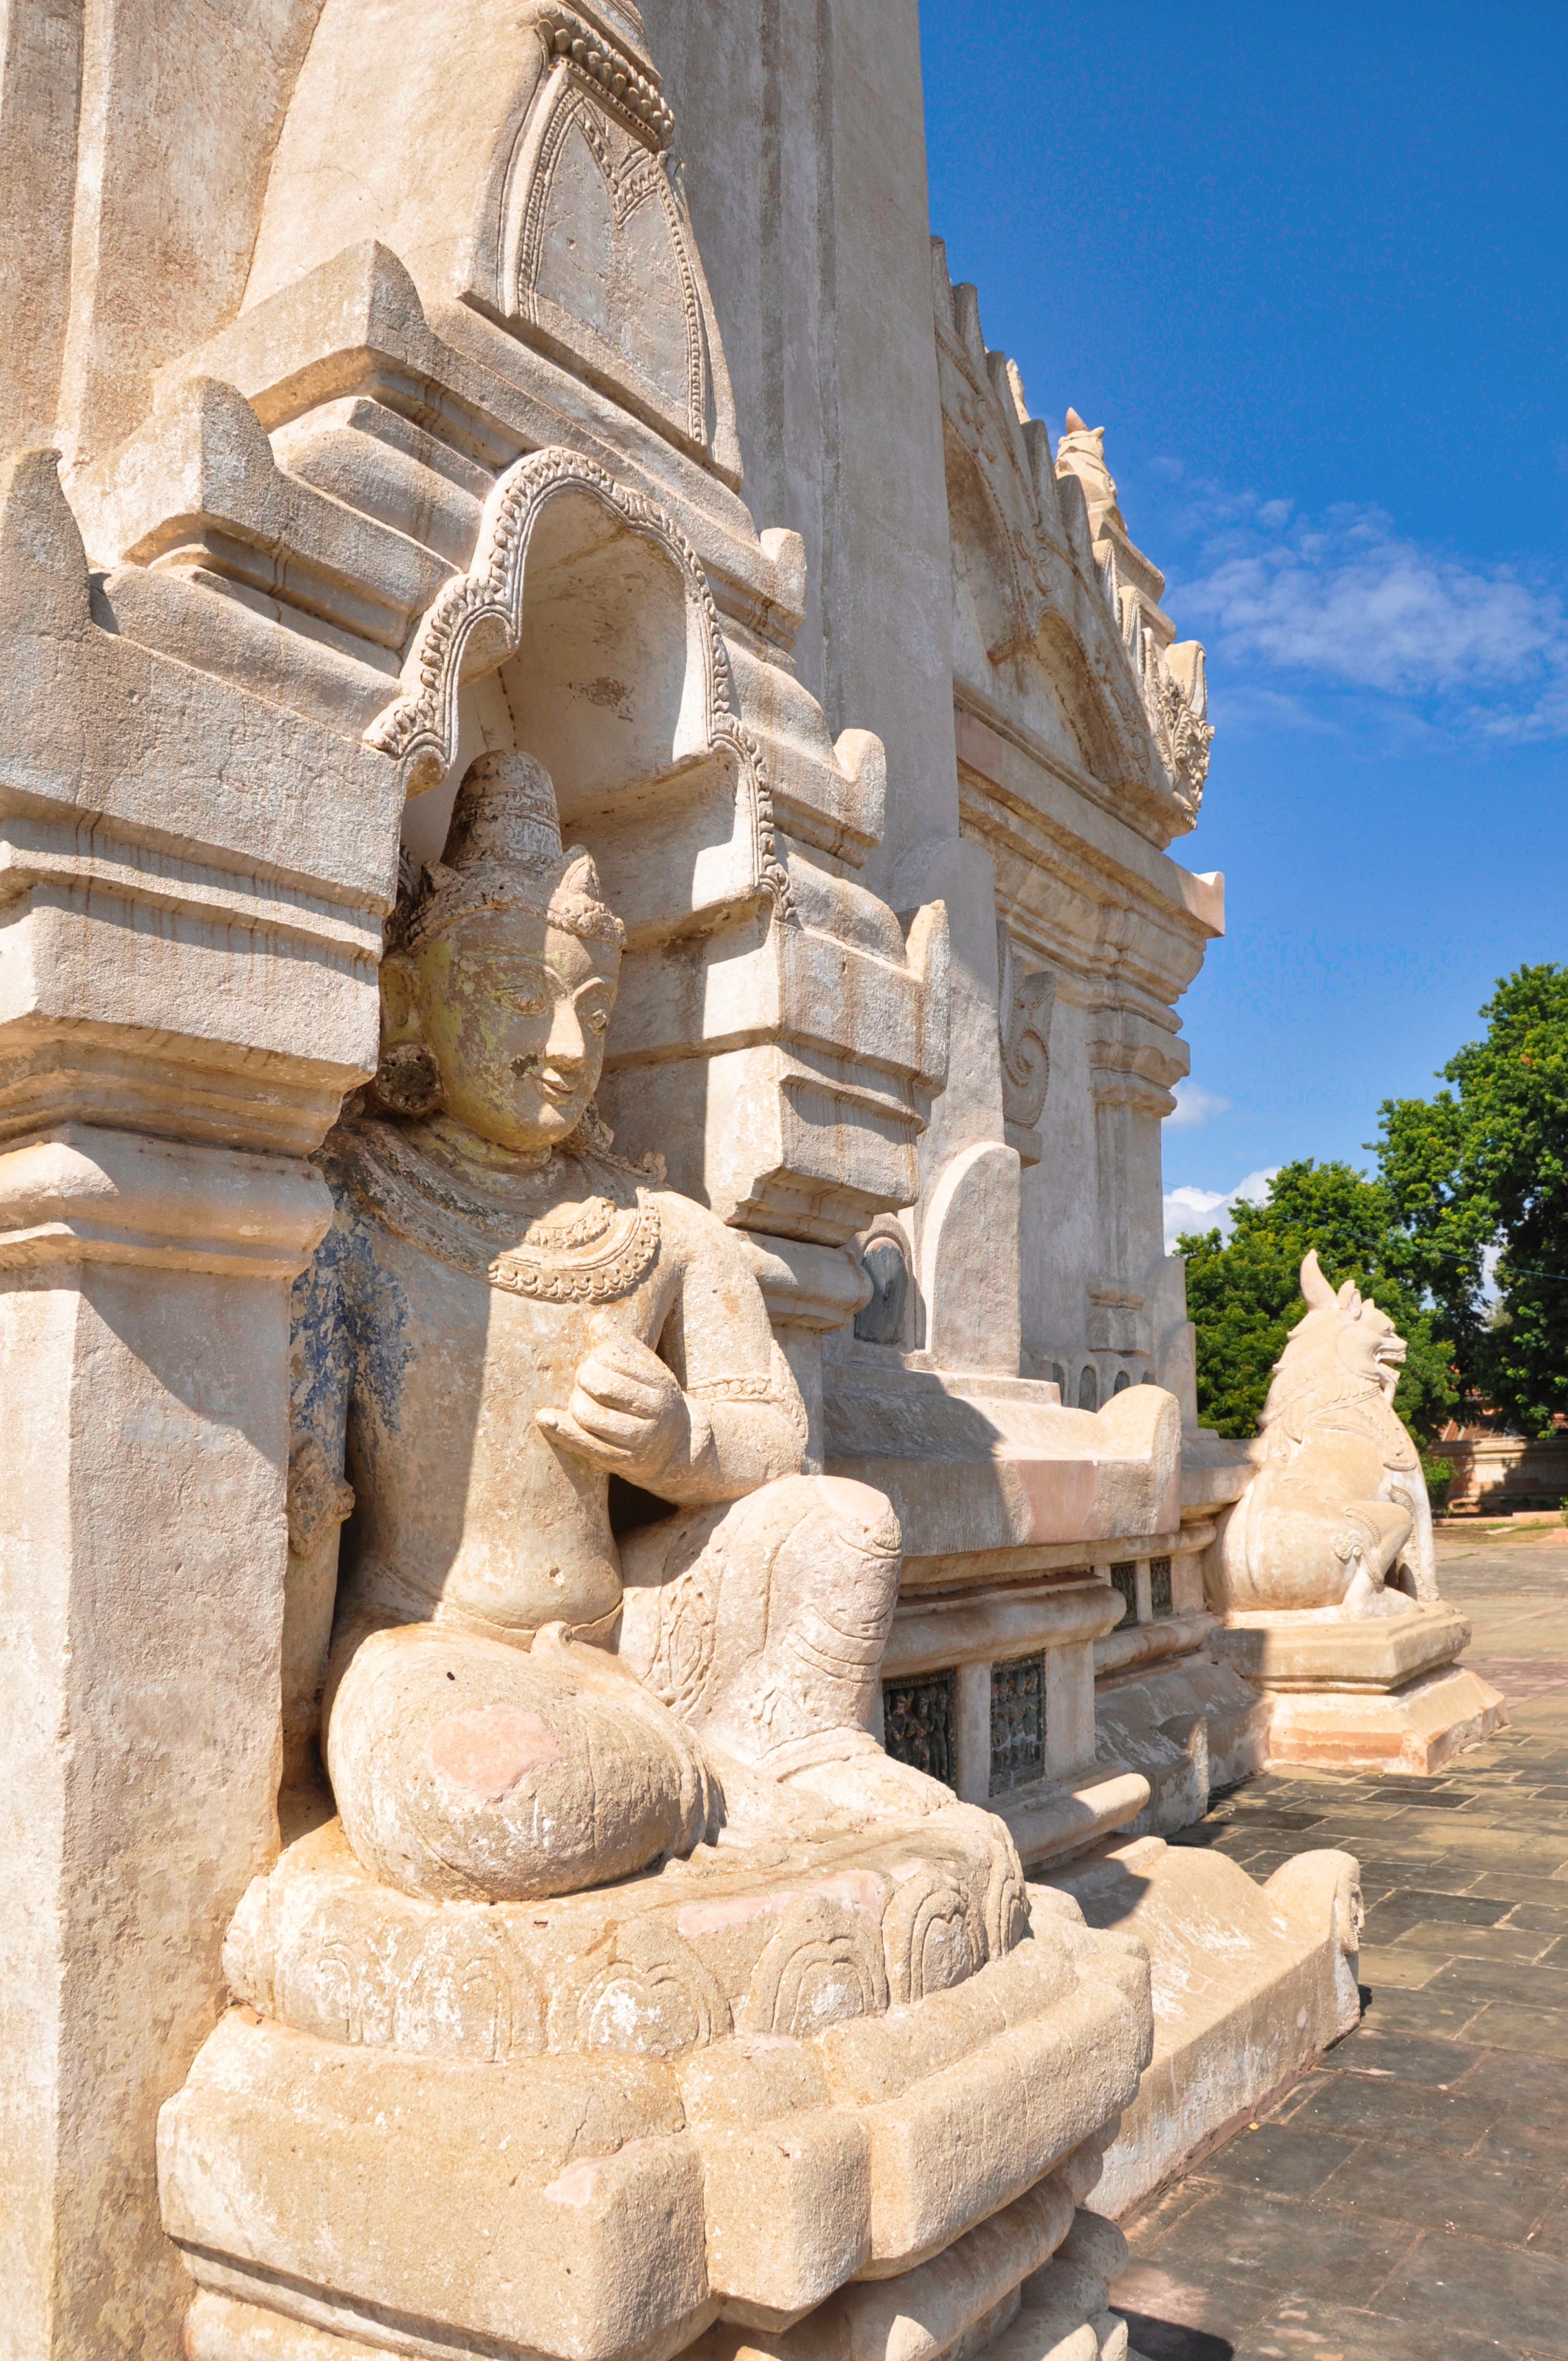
x,y
407,1080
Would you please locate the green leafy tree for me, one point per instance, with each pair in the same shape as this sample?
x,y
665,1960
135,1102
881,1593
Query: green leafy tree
x,y
1244,1295
1485,1165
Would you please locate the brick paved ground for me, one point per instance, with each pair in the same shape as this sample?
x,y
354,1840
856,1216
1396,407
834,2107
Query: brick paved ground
x,y
1409,2199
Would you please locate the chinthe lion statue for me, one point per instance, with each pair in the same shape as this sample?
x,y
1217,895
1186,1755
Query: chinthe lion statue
x,y
1336,1519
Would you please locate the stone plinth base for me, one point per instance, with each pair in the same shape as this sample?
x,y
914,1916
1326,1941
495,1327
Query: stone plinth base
x,y
1416,1728
1029,2285
1379,1694
765,2081
1251,1982
1312,1649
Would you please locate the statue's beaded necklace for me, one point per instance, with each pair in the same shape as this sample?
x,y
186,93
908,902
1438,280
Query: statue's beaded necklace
x,y
578,1226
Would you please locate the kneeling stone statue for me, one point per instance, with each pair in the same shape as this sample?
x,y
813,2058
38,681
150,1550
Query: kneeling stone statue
x,y
505,1316
633,1988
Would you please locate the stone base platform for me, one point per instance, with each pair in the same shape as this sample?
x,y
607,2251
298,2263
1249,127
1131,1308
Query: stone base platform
x,y
1032,2284
1416,1728
1251,1982
1383,1693
837,2064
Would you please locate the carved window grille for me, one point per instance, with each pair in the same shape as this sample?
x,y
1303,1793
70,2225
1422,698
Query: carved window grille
x,y
1160,1598
1017,1723
918,1719
1124,1579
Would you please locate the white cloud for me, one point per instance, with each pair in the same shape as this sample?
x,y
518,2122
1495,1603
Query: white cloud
x,y
1354,604
1210,1209
1194,1105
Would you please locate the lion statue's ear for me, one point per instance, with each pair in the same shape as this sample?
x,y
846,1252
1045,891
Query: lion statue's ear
x,y
1320,1296
1349,1299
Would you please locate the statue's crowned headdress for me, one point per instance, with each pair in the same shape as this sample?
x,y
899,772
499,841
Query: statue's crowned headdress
x,y
503,851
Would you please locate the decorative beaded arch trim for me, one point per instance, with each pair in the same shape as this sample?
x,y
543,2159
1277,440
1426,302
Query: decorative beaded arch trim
x,y
418,730
615,77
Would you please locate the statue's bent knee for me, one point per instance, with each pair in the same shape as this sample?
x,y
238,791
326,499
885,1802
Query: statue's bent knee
x,y
764,1624
467,1769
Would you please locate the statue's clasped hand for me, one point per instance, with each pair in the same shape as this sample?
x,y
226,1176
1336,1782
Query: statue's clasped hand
x,y
627,1411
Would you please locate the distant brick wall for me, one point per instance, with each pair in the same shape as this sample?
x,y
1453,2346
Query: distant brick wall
x,y
1496,1473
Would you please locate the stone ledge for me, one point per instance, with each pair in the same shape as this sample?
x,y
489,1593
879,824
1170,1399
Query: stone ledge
x,y
1053,1823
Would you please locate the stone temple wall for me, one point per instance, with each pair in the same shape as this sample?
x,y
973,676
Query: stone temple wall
x,y
587,993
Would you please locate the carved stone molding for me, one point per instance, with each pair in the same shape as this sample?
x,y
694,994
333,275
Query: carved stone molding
x,y
476,622
1046,572
1025,1001
1171,677
90,1195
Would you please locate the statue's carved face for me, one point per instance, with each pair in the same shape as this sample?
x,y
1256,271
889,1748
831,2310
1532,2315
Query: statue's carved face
x,y
513,1011
1371,1346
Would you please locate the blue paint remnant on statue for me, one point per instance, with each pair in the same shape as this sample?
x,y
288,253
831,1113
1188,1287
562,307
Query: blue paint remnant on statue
x,y
348,1332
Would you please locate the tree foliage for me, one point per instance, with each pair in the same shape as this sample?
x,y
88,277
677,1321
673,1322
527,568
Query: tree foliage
x,y
1462,1236
1484,1165
1244,1295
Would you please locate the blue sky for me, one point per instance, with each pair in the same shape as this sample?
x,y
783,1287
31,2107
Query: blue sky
x,y
1309,267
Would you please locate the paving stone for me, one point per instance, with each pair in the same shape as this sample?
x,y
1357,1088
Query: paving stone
x,y
1538,2142
1417,2115
1550,2235
1278,2160
1163,2306
1418,1901
1391,2011
1456,1941
1486,2200
1474,2286
1316,2332
1510,2025
1145,2230
1499,1980
1514,1887
1407,2199
1382,1965
1515,2080
1240,2235
1409,2058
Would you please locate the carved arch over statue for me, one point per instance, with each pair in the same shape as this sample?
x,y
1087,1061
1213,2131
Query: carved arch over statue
x,y
615,574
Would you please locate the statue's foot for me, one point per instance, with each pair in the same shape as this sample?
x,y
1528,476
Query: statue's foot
x,y
1366,1598
467,1769
762,1624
